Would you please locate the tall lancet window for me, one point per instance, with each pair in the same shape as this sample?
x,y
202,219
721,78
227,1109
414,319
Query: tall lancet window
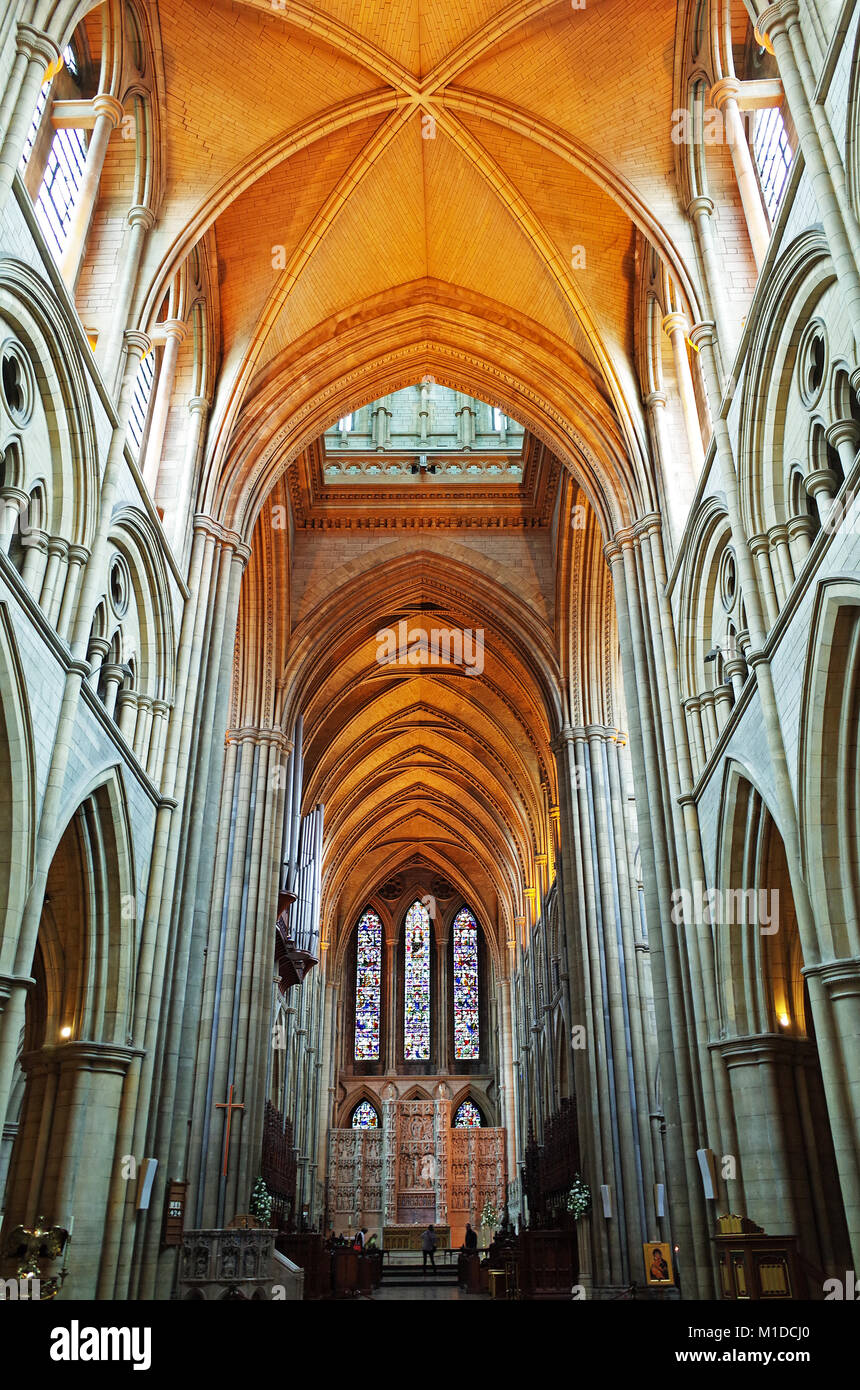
x,y
467,1043
416,1029
367,987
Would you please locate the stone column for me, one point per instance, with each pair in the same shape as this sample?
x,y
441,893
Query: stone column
x,y
67,1148
51,584
506,1063
390,1004
140,221
122,1224
126,714
677,328
175,333
36,52
844,437
834,989
160,712
672,1009
142,728
15,503
98,650
700,212
114,675
198,409
445,1058
108,116
724,96
35,544
77,558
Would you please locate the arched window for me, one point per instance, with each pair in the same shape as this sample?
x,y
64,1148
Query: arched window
x,y
774,157
467,1041
364,1116
468,1116
416,1026
367,989
141,401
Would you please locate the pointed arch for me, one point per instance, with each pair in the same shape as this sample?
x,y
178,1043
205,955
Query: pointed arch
x,y
19,791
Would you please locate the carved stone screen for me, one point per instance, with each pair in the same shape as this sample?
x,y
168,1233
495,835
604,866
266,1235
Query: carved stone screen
x,y
355,1177
420,1163
477,1174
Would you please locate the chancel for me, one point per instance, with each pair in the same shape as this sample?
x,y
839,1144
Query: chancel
x,y
429,650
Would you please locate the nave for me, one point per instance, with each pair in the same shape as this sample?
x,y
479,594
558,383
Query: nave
x,y
429,648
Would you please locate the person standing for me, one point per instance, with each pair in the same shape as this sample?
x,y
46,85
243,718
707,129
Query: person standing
x,y
470,1244
428,1246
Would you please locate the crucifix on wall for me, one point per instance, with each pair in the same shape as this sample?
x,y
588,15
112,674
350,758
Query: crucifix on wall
x,y
229,1105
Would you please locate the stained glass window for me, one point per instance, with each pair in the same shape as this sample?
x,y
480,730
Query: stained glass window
x,y
466,1037
416,1032
367,981
468,1116
365,1117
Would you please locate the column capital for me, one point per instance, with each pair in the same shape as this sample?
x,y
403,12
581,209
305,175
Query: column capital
x,y
841,978
703,334
18,495
199,404
170,328
675,322
774,21
58,545
140,216
654,399
34,539
105,105
801,526
136,343
843,432
821,480
79,554
100,645
702,204
727,89
35,43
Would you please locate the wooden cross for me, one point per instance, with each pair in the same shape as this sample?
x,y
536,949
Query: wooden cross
x,y
229,1106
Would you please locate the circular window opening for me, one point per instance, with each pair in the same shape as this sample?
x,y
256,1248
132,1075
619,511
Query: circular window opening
x,y
118,585
16,381
813,362
728,580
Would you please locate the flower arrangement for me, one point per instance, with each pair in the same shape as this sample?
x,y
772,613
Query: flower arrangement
x,y
261,1202
490,1216
579,1198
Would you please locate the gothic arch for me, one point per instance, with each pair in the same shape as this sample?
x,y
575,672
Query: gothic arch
x,y
701,624
463,340
828,766
54,345
786,303
756,941
133,535
18,780
96,836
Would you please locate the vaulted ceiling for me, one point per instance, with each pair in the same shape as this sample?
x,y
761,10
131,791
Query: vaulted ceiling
x,y
462,190
349,156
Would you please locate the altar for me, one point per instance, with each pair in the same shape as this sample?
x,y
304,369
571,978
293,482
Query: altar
x,y
409,1237
414,1171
